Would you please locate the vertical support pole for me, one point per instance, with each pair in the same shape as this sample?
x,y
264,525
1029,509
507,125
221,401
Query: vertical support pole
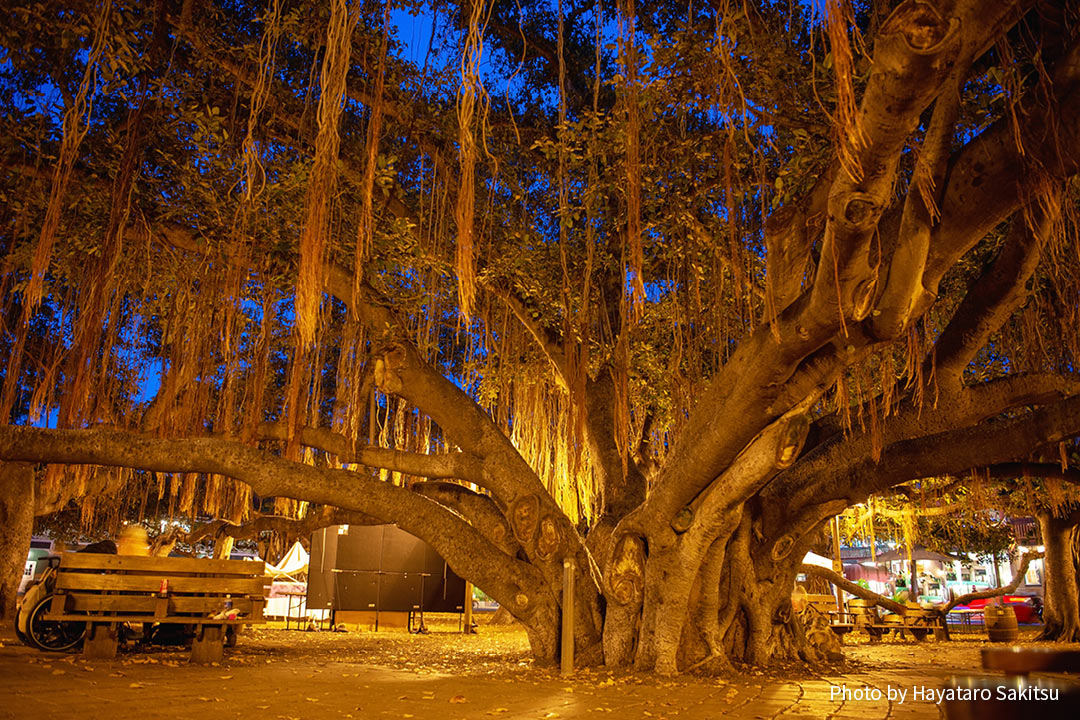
x,y
873,540
838,562
468,608
568,617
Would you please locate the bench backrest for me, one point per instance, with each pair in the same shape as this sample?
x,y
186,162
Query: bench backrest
x,y
131,584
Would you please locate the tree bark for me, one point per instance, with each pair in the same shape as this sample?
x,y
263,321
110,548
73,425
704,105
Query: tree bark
x,y
1061,603
16,529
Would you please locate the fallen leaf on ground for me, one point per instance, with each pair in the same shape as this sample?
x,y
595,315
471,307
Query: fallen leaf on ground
x,y
458,699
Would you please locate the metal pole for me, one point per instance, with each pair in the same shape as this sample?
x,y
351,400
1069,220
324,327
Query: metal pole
x,y
568,617
838,562
468,608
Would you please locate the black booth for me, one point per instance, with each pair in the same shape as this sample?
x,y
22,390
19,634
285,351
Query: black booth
x,y
379,568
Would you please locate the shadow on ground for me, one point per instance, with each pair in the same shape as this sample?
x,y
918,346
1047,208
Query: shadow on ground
x,y
275,673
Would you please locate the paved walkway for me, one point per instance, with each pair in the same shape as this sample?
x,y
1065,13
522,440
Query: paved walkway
x,y
290,675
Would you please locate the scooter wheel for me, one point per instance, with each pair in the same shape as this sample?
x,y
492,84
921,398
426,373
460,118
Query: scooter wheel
x,y
53,635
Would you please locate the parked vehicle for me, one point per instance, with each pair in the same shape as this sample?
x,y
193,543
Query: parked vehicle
x,y
1028,608
34,630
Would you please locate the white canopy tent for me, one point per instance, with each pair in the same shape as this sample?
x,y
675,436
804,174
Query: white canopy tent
x,y
294,563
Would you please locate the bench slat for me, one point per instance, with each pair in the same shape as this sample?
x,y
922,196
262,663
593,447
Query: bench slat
x,y
152,583
148,604
158,565
179,620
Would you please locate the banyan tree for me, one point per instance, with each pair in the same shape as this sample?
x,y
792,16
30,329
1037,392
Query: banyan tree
x,y
653,288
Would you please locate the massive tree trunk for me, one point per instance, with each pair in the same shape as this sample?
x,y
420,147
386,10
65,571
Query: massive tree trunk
x,y
16,528
690,564
1061,579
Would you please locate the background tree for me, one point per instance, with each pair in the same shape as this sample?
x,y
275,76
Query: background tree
x,y
654,290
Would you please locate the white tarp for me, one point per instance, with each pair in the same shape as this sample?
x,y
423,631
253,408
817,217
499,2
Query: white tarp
x,y
294,563
815,559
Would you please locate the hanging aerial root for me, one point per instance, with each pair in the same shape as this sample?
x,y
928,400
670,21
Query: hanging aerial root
x,y
366,235
465,255
322,182
254,175
628,57
849,131
75,126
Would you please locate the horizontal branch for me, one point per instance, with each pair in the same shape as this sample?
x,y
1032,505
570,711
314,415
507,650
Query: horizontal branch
x,y
466,550
857,590
998,591
450,465
281,525
480,510
1045,471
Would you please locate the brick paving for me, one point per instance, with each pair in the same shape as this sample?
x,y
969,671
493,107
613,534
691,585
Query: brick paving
x,y
294,675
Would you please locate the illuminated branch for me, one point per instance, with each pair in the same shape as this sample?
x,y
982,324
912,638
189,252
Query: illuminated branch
x,y
480,510
904,287
914,53
464,548
282,526
998,591
995,296
450,465
857,590
539,333
952,452
986,175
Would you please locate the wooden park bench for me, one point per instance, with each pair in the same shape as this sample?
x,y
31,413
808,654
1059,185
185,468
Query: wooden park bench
x,y
825,606
917,621
217,597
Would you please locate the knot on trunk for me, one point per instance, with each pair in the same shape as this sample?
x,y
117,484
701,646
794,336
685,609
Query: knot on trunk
x,y
782,548
627,569
388,369
523,517
682,520
550,539
923,28
794,435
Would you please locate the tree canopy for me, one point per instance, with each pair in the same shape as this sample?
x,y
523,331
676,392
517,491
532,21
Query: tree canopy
x,y
653,288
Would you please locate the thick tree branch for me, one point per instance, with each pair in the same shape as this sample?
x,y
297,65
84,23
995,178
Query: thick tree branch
x,y
903,286
998,591
857,590
283,526
835,451
451,465
465,549
544,339
952,452
480,510
913,55
985,181
994,296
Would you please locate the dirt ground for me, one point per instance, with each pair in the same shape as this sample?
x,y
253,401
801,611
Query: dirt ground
x,y
277,673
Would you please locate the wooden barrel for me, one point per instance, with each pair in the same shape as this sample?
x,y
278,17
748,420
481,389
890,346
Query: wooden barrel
x,y
862,612
1000,623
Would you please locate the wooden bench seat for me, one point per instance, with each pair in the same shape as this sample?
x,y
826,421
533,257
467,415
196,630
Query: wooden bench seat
x,y
917,621
106,591
825,606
